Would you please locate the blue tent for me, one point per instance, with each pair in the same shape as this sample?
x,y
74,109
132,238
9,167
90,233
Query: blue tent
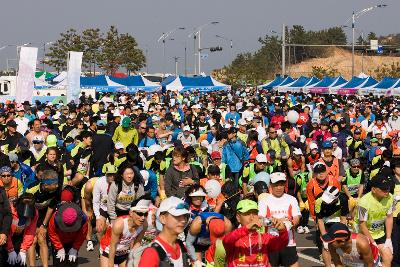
x,y
369,82
133,84
200,83
386,83
325,82
278,80
297,85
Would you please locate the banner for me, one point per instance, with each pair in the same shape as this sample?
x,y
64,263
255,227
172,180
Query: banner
x,y
26,74
74,76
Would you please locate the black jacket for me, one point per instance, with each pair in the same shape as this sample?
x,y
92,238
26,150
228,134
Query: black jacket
x,y
5,213
102,145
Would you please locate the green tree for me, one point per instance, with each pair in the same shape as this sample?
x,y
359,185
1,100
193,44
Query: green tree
x,y
392,70
321,72
92,40
132,57
69,41
360,40
372,36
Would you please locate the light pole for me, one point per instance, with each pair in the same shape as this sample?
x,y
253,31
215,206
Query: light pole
x,y
176,65
353,18
163,38
283,48
197,32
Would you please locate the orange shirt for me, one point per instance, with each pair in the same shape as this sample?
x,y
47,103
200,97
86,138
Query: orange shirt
x,y
13,190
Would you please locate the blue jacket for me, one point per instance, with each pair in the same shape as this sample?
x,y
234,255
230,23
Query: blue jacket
x,y
234,154
25,175
152,186
232,116
147,142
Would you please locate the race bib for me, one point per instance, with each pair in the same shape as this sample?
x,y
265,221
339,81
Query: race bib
x,y
83,165
377,225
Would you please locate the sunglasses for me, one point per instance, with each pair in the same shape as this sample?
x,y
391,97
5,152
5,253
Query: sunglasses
x,y
272,132
6,175
37,142
141,214
356,166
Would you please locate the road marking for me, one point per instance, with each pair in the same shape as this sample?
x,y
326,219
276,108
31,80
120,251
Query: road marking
x,y
305,257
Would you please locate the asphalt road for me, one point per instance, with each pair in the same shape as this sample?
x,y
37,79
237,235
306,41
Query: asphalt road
x,y
307,251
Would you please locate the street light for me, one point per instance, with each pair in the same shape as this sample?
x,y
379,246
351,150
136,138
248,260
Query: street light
x,y
163,38
283,48
226,39
353,18
44,52
197,33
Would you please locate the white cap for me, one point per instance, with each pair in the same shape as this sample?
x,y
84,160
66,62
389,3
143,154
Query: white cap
x,y
378,131
186,128
38,138
277,176
119,145
261,158
330,194
198,193
313,146
242,122
143,205
333,140
204,143
145,174
174,206
256,110
153,149
297,151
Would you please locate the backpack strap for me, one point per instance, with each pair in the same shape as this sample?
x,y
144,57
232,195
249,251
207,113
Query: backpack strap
x,y
162,256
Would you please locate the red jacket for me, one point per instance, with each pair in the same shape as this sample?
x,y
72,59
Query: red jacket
x,y
240,253
59,238
28,231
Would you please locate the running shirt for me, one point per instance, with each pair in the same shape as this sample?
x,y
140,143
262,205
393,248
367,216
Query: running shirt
x,y
353,259
285,206
125,241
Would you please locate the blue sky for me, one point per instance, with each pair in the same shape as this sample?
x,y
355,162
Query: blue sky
x,y
242,21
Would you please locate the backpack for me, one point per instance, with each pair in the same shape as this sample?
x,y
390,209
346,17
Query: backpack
x,y
164,259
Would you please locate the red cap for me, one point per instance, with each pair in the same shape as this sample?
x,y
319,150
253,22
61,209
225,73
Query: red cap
x,y
217,229
215,155
67,195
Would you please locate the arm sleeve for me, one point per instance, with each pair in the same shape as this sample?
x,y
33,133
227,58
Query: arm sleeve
x,y
96,199
190,239
81,236
7,216
53,236
231,238
112,197
29,233
149,258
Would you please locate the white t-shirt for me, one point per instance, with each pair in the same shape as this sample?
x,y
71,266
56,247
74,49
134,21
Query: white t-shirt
x,y
285,206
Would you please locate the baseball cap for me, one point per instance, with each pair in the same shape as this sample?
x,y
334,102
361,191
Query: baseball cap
x,y
338,231
142,205
327,144
373,140
216,155
186,128
126,122
119,145
297,151
12,157
174,206
334,140
242,122
67,195
315,120
198,193
277,177
313,146
319,167
381,181
330,194
38,139
261,158
378,132
101,123
246,205
111,169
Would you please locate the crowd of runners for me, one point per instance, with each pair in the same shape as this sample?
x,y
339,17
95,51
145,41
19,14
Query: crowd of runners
x,y
200,179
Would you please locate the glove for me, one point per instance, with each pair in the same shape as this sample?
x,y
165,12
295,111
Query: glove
x,y
12,258
61,255
389,245
72,255
198,264
307,207
22,258
326,245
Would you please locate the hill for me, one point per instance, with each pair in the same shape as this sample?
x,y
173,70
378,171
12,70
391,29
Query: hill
x,y
340,59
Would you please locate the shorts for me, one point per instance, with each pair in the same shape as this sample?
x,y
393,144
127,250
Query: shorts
x,y
285,257
381,240
117,259
200,248
104,214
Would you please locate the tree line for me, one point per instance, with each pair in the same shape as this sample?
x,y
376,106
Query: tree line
x,y
108,51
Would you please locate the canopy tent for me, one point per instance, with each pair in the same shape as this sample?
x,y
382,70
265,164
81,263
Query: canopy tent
x,y
278,80
133,84
44,75
60,77
396,88
349,88
323,86
297,85
383,87
40,84
202,84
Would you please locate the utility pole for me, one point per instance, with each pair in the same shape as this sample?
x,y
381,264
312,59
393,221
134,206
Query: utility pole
x,y
283,49
195,57
176,65
185,61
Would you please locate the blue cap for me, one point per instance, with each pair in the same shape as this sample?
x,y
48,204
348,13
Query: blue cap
x,y
327,144
101,123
